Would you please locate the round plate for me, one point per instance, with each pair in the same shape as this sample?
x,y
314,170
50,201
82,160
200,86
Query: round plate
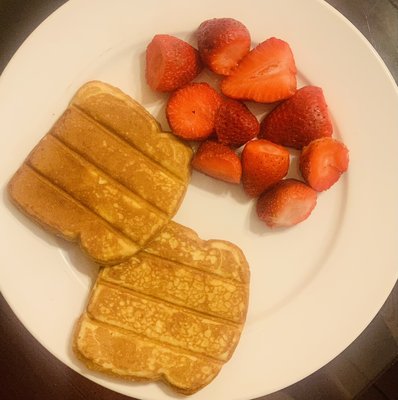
x,y
315,286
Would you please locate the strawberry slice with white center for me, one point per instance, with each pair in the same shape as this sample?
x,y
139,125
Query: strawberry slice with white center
x,y
266,74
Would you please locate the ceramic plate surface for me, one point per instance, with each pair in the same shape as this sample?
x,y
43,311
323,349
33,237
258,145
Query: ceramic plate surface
x,y
314,287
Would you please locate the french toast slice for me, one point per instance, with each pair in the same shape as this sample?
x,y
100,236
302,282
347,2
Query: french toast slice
x,y
105,175
173,312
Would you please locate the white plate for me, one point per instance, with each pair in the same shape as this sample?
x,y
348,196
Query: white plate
x,y
314,287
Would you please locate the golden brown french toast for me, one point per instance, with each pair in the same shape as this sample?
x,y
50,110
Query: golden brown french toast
x,y
105,175
173,312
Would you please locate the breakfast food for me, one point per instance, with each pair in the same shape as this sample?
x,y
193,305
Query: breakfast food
x,y
170,63
222,43
166,305
218,161
105,175
173,312
322,162
191,111
263,164
299,120
235,124
266,74
286,203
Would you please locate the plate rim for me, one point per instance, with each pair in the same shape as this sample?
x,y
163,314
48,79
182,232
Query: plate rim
x,y
321,2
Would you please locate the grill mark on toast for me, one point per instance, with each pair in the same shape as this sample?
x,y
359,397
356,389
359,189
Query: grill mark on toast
x,y
81,162
140,275
99,168
193,267
119,139
64,194
217,345
114,133
160,300
177,349
181,244
235,330
117,136
77,155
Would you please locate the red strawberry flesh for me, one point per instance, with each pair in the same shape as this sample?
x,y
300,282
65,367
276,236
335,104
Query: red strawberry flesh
x,y
322,162
218,161
191,111
263,164
222,43
266,74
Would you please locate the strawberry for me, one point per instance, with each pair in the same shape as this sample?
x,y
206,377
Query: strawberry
x,y
265,75
222,43
191,111
286,203
322,162
263,164
298,120
218,161
235,124
170,63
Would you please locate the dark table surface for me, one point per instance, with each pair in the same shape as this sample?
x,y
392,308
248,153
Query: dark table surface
x,y
29,371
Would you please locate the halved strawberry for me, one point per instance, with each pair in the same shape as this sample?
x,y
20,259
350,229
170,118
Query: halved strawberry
x,y
286,203
235,124
218,161
170,63
298,120
263,164
222,43
191,111
265,75
322,162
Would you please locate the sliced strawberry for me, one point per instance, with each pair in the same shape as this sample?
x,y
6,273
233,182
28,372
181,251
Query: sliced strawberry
x,y
191,111
286,203
298,120
218,161
265,75
170,63
263,164
222,43
235,124
322,162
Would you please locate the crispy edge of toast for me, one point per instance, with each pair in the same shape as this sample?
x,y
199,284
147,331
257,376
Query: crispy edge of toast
x,y
95,87
76,238
159,377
